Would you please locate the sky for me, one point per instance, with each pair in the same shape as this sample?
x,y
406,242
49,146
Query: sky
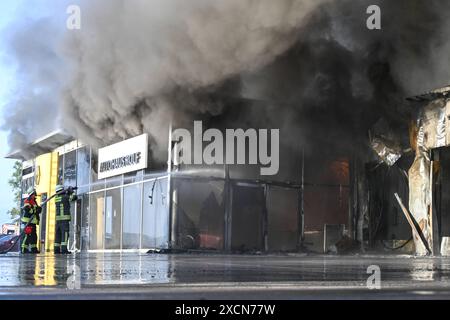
x,y
12,13
8,12
16,14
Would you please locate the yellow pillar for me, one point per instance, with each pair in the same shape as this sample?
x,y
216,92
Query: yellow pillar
x,y
51,205
46,179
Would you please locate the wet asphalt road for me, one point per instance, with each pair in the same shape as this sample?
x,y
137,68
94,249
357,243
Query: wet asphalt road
x,y
211,276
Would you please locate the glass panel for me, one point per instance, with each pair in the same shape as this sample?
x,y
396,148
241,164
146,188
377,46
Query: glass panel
x,y
114,181
131,216
95,183
326,197
113,219
83,170
247,220
282,209
27,184
156,215
97,217
200,213
70,169
85,222
77,223
132,177
60,179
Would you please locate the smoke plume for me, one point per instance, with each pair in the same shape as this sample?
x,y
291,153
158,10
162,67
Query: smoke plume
x,y
136,65
140,64
32,112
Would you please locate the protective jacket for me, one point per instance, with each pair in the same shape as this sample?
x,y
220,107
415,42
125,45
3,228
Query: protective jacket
x,y
30,218
31,212
63,206
63,218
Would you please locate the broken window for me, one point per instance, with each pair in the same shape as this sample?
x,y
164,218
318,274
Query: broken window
x,y
248,218
282,209
200,213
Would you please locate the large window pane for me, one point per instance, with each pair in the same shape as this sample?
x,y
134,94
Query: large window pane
x,y
70,169
96,184
247,220
75,234
133,177
97,217
156,215
113,219
85,222
326,197
131,216
200,214
27,184
115,181
83,170
60,178
282,209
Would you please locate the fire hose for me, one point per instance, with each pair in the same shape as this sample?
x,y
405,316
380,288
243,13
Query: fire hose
x,y
27,227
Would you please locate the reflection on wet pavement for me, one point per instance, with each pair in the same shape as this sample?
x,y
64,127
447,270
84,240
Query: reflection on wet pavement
x,y
88,269
95,269
214,276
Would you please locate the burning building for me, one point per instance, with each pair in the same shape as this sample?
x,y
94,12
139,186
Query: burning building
x,y
332,200
151,205
335,90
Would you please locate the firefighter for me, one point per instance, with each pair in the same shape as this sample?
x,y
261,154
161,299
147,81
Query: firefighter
x,y
30,219
63,217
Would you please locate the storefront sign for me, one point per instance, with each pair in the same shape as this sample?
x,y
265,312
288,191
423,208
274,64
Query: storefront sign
x,y
126,156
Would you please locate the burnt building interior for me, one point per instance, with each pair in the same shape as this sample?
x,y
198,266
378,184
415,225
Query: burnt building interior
x,y
342,159
327,197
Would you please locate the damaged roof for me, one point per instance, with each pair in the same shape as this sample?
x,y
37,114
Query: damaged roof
x,y
432,95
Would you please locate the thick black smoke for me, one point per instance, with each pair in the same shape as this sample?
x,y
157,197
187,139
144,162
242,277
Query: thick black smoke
x,y
309,67
140,64
340,78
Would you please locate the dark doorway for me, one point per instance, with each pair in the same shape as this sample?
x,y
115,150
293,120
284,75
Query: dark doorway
x,y
247,227
387,221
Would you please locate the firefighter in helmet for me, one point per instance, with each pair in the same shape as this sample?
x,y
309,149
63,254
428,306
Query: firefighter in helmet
x,y
63,217
30,219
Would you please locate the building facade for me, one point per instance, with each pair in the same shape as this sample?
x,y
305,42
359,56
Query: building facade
x,y
327,196
126,202
109,213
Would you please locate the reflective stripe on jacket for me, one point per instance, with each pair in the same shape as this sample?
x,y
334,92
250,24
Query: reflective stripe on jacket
x,y
63,206
30,213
